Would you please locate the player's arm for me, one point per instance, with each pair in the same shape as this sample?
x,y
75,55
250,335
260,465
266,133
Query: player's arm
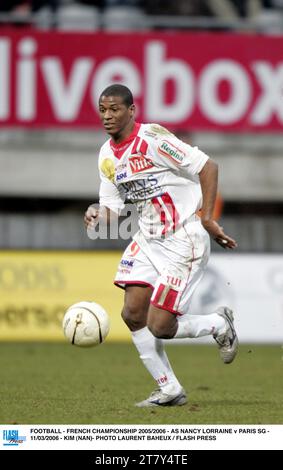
x,y
208,180
111,203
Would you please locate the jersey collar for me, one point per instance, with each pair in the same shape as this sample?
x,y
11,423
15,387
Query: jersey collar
x,y
119,149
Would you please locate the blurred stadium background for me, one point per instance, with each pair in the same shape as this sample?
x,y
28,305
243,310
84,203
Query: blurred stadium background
x,y
211,71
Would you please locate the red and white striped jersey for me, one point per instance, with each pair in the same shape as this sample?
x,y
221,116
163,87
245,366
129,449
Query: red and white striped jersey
x,y
158,173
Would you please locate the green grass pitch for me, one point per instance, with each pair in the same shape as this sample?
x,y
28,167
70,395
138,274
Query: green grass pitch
x,y
47,383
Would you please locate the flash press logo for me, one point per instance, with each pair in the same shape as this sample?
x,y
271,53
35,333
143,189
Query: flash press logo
x,y
11,437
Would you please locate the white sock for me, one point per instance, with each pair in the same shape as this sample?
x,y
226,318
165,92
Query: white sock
x,y
152,354
194,326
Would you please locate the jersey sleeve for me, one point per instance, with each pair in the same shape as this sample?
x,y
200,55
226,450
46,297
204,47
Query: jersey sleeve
x,y
109,194
169,151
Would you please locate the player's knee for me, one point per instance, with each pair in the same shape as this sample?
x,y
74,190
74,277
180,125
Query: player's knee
x,y
160,330
161,323
133,317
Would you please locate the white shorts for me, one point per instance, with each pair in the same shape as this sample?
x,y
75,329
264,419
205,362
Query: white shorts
x,y
171,267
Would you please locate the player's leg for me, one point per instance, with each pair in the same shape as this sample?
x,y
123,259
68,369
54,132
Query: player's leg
x,y
219,324
167,325
134,269
172,295
150,349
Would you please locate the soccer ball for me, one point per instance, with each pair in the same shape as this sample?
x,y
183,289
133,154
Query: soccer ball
x,y
86,324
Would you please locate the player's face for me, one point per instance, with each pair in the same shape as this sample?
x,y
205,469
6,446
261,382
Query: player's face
x,y
116,117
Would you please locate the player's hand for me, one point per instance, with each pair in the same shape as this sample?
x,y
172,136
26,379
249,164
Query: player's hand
x,y
91,216
217,233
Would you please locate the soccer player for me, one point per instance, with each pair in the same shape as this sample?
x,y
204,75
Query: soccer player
x,y
168,181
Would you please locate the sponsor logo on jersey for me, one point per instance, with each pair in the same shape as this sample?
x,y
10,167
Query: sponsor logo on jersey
x,y
169,150
141,189
121,166
174,281
123,271
134,249
121,176
160,130
150,134
139,163
107,167
127,262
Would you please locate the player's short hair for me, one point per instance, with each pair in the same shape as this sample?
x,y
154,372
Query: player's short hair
x,y
119,90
